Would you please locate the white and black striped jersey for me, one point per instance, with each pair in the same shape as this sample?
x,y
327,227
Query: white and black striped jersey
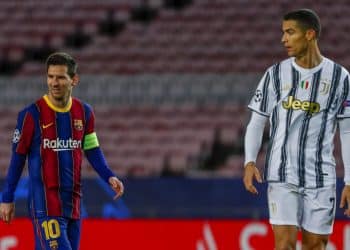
x,y
303,106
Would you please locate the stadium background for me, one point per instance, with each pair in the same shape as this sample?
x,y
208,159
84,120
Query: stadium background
x,y
169,81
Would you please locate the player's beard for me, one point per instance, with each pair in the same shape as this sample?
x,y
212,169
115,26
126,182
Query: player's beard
x,y
58,96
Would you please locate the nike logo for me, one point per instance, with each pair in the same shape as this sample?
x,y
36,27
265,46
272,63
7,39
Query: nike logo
x,y
47,125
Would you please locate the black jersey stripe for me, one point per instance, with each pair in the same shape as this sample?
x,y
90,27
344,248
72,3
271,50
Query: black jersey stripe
x,y
332,94
304,128
274,119
265,94
282,167
344,96
277,81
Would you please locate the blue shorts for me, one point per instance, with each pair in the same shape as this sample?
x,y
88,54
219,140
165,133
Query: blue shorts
x,y
54,233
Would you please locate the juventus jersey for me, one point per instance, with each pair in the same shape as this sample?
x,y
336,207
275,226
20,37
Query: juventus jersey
x,y
303,106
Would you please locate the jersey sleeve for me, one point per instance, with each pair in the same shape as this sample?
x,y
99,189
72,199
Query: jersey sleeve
x,y
90,137
23,134
92,148
344,110
264,98
21,141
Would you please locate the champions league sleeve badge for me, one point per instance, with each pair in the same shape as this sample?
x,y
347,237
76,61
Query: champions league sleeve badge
x,y
258,96
16,136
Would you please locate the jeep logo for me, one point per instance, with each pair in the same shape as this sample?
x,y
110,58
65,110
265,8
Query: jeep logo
x,y
310,107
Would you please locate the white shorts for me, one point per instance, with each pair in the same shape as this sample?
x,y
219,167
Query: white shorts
x,y
312,209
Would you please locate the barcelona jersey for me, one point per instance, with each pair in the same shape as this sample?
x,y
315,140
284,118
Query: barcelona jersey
x,y
53,140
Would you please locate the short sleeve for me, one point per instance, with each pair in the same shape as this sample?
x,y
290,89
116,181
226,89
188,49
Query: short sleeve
x,y
264,98
344,109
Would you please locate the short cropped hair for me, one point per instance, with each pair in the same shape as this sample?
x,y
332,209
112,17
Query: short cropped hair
x,y
307,19
61,58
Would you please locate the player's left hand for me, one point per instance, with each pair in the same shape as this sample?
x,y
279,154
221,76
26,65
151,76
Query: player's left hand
x,y
117,186
345,200
7,211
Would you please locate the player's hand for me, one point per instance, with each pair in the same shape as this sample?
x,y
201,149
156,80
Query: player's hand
x,y
117,186
345,200
251,172
7,211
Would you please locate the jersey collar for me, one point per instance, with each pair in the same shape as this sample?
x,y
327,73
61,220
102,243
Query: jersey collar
x,y
55,108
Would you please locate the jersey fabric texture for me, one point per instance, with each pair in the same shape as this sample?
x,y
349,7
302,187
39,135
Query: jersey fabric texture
x,y
303,106
53,141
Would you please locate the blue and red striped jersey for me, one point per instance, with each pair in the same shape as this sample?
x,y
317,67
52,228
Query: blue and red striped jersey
x,y
53,140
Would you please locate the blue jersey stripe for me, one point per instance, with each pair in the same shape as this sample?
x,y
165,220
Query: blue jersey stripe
x,y
64,131
37,195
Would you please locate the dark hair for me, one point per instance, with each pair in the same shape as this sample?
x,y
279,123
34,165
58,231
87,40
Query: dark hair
x,y
61,58
307,18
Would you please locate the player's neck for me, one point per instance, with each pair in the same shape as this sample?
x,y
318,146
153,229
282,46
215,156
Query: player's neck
x,y
60,103
310,59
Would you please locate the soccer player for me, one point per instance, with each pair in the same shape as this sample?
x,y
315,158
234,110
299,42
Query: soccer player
x,y
305,97
52,134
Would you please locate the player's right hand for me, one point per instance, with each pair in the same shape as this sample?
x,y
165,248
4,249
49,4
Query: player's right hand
x,y
345,200
251,172
117,186
7,211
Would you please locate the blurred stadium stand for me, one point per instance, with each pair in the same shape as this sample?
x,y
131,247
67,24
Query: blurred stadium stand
x,y
164,76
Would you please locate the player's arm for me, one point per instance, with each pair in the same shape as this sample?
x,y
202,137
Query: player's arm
x,y
7,207
97,160
20,145
252,144
344,131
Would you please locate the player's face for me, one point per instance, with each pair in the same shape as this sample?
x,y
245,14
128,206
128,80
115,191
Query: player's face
x,y
60,84
294,39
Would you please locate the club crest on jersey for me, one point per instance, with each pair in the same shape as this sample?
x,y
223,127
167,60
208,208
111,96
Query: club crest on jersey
x,y
53,245
296,104
287,87
16,136
324,87
78,124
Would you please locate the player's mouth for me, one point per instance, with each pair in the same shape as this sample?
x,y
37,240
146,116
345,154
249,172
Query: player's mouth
x,y
288,48
55,91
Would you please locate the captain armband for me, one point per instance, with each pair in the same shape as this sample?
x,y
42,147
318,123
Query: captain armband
x,y
90,141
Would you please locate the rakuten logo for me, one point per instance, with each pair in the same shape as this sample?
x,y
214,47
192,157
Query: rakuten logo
x,y
61,145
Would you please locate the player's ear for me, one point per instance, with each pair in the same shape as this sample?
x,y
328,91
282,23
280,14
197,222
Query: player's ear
x,y
310,34
75,80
